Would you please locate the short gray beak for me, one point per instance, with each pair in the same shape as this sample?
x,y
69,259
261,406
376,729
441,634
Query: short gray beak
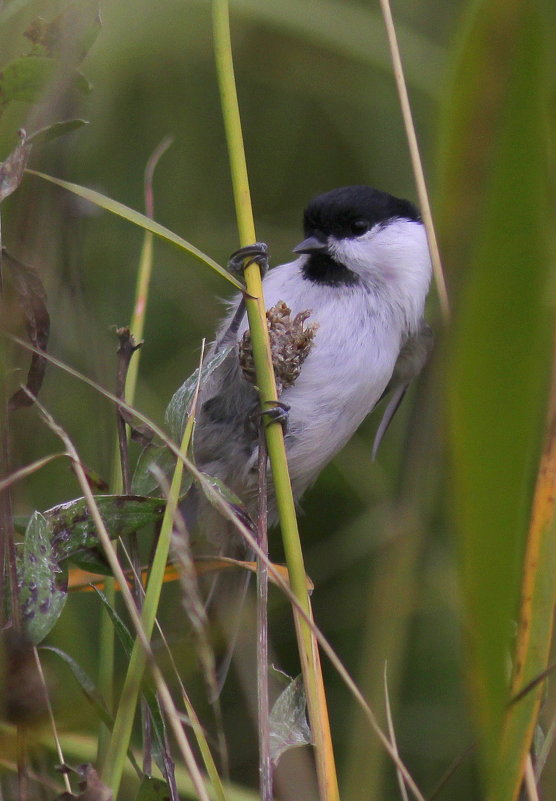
x,y
311,245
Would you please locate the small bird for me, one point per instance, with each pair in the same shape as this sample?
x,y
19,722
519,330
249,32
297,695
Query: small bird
x,y
354,297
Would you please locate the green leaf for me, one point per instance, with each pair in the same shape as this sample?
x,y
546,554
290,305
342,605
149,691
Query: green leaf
x,y
86,684
211,485
120,627
288,720
72,529
179,407
42,585
54,131
141,220
92,560
27,77
152,789
144,481
91,693
494,222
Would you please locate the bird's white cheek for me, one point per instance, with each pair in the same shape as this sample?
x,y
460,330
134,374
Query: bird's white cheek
x,y
356,253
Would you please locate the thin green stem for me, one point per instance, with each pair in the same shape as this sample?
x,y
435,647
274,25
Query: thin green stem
x,y
137,326
142,638
106,668
121,733
256,313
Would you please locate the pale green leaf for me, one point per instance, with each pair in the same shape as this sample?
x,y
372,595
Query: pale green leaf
x,y
42,585
288,720
180,404
140,220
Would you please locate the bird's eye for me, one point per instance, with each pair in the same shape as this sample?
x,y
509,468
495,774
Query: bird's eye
x,y
359,227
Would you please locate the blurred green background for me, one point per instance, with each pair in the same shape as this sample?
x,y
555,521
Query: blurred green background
x,y
319,110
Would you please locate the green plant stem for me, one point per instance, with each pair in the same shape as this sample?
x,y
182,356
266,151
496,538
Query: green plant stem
x,y
256,313
137,326
121,734
106,638
106,668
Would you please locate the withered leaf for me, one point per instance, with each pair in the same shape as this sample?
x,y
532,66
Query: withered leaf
x,y
32,300
140,432
70,35
92,788
12,168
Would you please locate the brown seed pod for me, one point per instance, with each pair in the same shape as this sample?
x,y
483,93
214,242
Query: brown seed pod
x,y
290,344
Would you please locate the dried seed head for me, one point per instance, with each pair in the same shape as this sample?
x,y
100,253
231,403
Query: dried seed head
x,y
290,344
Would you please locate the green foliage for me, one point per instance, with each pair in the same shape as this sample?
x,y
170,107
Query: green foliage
x,y
69,532
138,219
86,684
41,581
180,405
26,79
153,790
501,343
72,529
390,582
288,720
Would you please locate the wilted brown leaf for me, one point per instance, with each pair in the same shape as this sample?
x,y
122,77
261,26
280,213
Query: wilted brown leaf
x,y
92,788
11,169
32,300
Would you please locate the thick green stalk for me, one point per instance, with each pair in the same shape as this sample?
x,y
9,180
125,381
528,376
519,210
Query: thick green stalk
x,y
256,313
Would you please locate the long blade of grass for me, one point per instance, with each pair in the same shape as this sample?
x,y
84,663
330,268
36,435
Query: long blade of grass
x,y
26,471
256,312
115,207
538,598
495,155
392,732
416,160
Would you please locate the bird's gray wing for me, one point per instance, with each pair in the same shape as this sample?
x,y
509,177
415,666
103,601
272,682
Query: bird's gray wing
x,y
412,358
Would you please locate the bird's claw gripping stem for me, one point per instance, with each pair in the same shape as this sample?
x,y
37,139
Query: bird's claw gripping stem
x,y
251,254
277,413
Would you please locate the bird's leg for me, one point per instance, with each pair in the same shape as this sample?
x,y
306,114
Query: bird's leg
x,y
277,413
242,258
251,254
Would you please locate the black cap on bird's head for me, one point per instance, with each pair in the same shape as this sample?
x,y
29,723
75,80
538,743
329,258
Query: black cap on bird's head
x,y
349,212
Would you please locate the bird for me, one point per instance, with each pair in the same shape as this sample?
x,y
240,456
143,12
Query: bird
x,y
356,292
